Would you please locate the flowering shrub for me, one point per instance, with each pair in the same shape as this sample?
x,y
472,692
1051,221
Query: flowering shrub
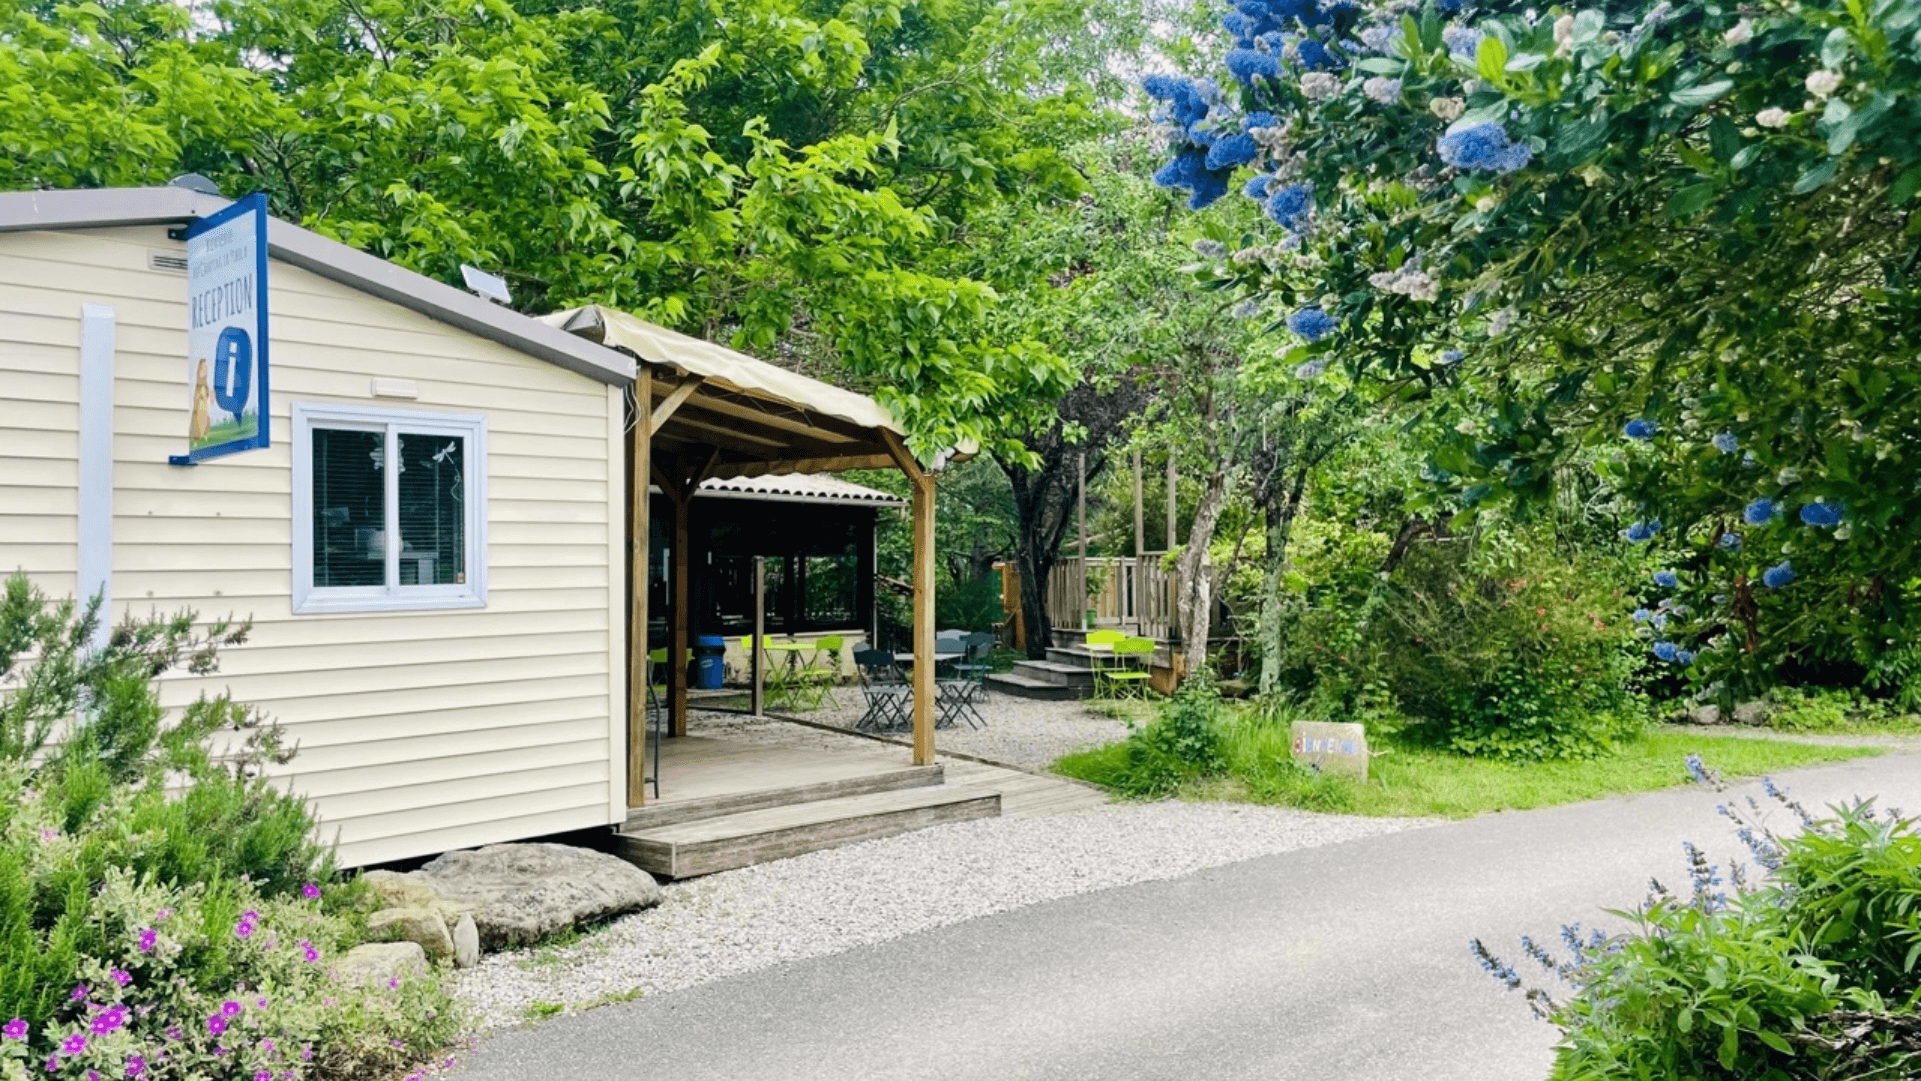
x,y
1680,232
1798,966
164,910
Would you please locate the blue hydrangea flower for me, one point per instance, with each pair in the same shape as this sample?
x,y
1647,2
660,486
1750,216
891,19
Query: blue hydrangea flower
x,y
1642,615
1666,579
1452,356
1667,651
1186,99
1259,120
1821,515
1639,429
1462,41
1684,657
1726,443
1209,188
1759,512
1248,65
1643,531
1291,206
1778,575
1230,151
1312,324
1731,541
1484,146
1315,57
1257,187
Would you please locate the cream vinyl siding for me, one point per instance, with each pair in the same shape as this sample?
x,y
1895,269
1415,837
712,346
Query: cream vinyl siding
x,y
419,731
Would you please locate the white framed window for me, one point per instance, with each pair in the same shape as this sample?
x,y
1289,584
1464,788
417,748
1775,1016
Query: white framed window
x,y
389,509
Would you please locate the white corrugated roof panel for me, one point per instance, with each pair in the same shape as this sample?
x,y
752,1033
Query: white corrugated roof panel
x,y
798,488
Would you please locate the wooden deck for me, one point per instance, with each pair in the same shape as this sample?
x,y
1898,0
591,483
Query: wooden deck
x,y
727,803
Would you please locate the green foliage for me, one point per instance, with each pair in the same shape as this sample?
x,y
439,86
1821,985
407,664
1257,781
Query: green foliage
x,y
1810,975
142,842
1710,232
1180,745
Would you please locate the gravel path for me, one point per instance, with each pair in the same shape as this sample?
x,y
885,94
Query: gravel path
x,y
1021,732
828,902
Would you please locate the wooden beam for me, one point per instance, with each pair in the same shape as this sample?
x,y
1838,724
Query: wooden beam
x,y
897,449
835,464
797,418
682,638
728,431
924,685
664,482
673,400
692,483
637,539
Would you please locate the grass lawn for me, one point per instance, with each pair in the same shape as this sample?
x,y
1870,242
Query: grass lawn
x,y
1421,781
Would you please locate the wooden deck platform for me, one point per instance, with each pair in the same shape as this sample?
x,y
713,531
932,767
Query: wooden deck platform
x,y
733,803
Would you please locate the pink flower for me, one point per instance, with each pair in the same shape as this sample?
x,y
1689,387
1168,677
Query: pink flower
x,y
148,937
163,915
122,977
174,1033
263,1075
73,1044
109,1020
15,1029
136,1066
306,1053
267,1046
242,929
230,1008
216,1024
307,951
310,891
260,1003
79,994
393,982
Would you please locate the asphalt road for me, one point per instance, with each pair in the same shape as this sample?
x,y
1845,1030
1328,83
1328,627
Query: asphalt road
x,y
1343,963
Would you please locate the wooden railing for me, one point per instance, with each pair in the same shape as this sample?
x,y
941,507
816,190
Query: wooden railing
x,y
1132,594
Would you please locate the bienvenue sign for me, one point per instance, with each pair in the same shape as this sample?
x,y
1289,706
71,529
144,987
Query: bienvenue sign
x,y
227,332
1330,747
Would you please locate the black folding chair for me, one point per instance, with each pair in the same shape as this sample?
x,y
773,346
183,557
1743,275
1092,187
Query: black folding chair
x,y
887,691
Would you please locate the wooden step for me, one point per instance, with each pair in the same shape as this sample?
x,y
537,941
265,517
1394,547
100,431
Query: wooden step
x,y
674,812
708,845
1066,675
1019,686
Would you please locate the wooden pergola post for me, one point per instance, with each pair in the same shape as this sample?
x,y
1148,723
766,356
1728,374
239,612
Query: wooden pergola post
x,y
924,685
638,537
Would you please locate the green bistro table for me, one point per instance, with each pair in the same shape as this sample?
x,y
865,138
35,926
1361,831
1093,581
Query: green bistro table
x,y
783,679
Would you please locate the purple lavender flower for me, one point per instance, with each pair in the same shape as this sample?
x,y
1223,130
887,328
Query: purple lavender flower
x,y
15,1029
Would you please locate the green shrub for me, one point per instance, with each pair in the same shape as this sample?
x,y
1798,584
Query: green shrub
x,y
1810,974
1181,744
150,874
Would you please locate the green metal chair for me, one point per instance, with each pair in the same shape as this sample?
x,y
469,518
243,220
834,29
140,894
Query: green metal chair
x,y
1100,647
817,679
1128,676
777,682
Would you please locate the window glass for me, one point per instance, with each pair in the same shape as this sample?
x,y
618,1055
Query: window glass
x,y
433,510
832,589
350,508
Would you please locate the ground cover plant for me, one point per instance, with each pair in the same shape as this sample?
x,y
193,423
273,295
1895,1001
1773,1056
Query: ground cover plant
x,y
165,910
1212,750
1799,966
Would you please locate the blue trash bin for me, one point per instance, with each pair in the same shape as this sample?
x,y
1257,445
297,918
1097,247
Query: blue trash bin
x,y
710,662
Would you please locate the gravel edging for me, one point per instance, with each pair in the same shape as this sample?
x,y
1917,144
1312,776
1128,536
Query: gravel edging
x,y
828,902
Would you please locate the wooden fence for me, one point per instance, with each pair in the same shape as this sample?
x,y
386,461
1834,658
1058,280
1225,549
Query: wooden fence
x,y
1125,593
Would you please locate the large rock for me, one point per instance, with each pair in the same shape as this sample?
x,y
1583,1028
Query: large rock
x,y
398,890
380,963
521,893
1752,713
422,925
1705,714
466,942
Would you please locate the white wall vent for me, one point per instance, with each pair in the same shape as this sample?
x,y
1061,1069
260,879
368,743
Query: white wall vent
x,y
167,262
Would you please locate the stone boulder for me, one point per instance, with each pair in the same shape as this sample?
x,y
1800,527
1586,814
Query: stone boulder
x,y
1752,713
422,924
1705,714
398,890
521,893
381,962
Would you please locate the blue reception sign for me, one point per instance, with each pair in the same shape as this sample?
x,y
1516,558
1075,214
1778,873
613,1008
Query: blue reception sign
x,y
227,332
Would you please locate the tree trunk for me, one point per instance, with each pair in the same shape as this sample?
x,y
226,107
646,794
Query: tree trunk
x,y
1280,528
1194,601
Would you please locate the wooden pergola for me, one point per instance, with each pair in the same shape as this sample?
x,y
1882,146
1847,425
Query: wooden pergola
x,y
700,411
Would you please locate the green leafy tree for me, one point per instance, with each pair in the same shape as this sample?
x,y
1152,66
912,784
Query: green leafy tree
x,y
1680,235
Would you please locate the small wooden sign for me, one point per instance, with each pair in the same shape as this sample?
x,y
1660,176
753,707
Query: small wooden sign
x,y
1330,747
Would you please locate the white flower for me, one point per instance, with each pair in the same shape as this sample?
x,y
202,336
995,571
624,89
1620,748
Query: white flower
x,y
1311,369
1407,281
1448,109
1318,85
1823,83
1564,35
1382,89
1739,34
1772,118
1498,323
